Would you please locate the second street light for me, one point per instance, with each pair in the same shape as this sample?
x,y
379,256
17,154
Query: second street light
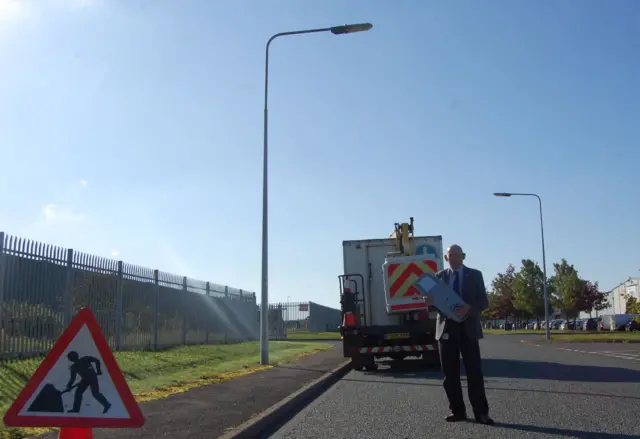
x,y
264,297
544,261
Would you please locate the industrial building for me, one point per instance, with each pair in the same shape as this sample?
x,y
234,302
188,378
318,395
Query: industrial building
x,y
617,298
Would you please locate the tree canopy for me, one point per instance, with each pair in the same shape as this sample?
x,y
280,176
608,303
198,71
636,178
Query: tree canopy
x,y
567,288
528,289
520,293
501,296
633,306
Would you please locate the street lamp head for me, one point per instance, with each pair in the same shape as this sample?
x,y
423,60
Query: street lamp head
x,y
502,194
351,28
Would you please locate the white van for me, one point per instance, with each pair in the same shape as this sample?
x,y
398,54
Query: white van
x,y
618,322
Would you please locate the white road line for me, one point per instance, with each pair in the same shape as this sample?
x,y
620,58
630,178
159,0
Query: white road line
x,y
623,355
632,353
612,354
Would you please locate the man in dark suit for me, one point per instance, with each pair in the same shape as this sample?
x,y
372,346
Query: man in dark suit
x,y
463,338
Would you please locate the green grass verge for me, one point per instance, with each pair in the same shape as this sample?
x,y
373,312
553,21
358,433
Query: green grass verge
x,y
305,335
155,375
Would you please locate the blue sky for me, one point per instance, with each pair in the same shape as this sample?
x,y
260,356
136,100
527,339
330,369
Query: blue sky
x,y
134,129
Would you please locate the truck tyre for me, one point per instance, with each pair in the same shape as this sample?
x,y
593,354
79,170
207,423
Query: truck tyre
x,y
368,361
356,363
431,360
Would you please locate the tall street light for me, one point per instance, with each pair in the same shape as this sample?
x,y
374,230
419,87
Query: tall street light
x,y
264,304
544,261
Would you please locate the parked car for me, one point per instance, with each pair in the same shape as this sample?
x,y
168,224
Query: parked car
x,y
555,324
568,325
590,325
633,325
619,322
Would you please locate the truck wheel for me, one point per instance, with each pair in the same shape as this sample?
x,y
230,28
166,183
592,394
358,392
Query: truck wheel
x,y
431,360
357,362
371,367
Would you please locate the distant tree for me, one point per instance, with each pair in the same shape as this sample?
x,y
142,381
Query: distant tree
x,y
528,286
591,299
567,288
502,297
490,311
633,306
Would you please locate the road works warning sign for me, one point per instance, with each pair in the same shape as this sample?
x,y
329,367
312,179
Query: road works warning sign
x,y
79,384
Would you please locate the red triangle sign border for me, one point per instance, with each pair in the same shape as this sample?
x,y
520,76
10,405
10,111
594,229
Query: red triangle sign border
x,y
85,316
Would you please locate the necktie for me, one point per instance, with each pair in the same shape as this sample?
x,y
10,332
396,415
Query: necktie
x,y
456,284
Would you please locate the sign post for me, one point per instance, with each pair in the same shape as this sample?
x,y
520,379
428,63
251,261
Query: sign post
x,y
77,387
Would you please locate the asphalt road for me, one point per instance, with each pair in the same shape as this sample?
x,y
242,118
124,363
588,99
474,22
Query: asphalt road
x,y
533,391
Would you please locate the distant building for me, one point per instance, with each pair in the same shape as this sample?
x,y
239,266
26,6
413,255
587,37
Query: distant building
x,y
617,298
630,287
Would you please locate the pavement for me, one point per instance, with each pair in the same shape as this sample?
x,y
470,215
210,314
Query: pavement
x,y
210,411
535,391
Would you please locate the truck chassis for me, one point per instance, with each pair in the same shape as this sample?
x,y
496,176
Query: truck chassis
x,y
363,344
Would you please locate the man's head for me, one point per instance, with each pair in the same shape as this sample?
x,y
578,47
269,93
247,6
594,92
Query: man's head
x,y
73,356
454,256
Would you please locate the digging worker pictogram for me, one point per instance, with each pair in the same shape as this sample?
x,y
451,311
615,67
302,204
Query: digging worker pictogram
x,y
88,379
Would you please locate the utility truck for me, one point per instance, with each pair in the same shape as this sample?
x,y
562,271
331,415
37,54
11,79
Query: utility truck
x,y
383,313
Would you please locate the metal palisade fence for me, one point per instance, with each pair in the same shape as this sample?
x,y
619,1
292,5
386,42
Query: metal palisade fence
x,y
290,320
42,287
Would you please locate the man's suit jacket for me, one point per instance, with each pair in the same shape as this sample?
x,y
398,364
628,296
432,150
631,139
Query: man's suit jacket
x,y
474,293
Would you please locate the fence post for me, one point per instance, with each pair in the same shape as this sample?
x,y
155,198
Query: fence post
x,y
240,293
2,277
156,307
184,314
226,296
206,335
119,316
68,288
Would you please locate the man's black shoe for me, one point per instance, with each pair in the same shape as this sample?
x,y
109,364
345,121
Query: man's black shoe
x,y
456,417
484,419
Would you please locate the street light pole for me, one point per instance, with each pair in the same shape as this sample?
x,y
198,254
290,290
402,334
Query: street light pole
x,y
544,258
264,302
